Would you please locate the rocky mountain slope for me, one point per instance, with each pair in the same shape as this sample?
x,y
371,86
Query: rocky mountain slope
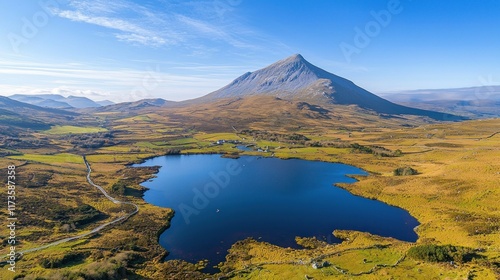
x,y
294,78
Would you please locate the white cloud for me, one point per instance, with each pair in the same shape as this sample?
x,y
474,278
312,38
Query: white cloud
x,y
114,84
167,24
208,30
141,39
130,32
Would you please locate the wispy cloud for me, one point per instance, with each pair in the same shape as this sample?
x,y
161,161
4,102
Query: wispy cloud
x,y
167,24
207,30
114,84
128,29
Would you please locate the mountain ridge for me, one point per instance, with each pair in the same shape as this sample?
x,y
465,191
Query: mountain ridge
x,y
285,76
23,115
294,78
58,101
133,105
486,93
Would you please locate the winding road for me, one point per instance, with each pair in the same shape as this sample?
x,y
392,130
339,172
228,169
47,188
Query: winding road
x,y
95,230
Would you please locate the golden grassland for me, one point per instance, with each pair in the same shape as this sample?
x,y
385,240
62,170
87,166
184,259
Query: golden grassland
x,y
361,256
454,196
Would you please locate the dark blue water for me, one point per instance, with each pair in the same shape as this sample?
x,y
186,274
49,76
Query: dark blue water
x,y
219,201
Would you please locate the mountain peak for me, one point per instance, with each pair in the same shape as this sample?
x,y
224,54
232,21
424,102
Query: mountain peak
x,y
295,61
295,57
288,78
294,78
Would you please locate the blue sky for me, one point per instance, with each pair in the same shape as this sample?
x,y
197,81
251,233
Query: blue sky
x,y
127,50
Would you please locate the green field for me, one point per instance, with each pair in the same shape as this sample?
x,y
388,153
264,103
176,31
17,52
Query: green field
x,y
70,129
62,158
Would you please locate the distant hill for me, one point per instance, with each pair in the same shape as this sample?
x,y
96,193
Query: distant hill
x,y
473,102
49,103
23,115
131,107
470,108
105,102
294,78
59,101
484,93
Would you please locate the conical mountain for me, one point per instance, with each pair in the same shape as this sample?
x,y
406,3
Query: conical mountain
x,y
294,78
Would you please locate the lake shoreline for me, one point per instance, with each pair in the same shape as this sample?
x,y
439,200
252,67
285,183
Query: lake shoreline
x,y
308,161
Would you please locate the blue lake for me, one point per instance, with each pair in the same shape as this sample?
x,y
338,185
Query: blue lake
x,y
219,201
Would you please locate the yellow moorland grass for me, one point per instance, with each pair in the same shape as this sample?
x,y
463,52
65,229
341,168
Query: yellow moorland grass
x,y
216,136
360,256
118,158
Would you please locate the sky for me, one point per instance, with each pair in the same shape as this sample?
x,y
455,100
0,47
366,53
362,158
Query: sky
x,y
124,50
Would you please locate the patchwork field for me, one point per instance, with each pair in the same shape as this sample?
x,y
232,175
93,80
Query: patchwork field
x,y
69,129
